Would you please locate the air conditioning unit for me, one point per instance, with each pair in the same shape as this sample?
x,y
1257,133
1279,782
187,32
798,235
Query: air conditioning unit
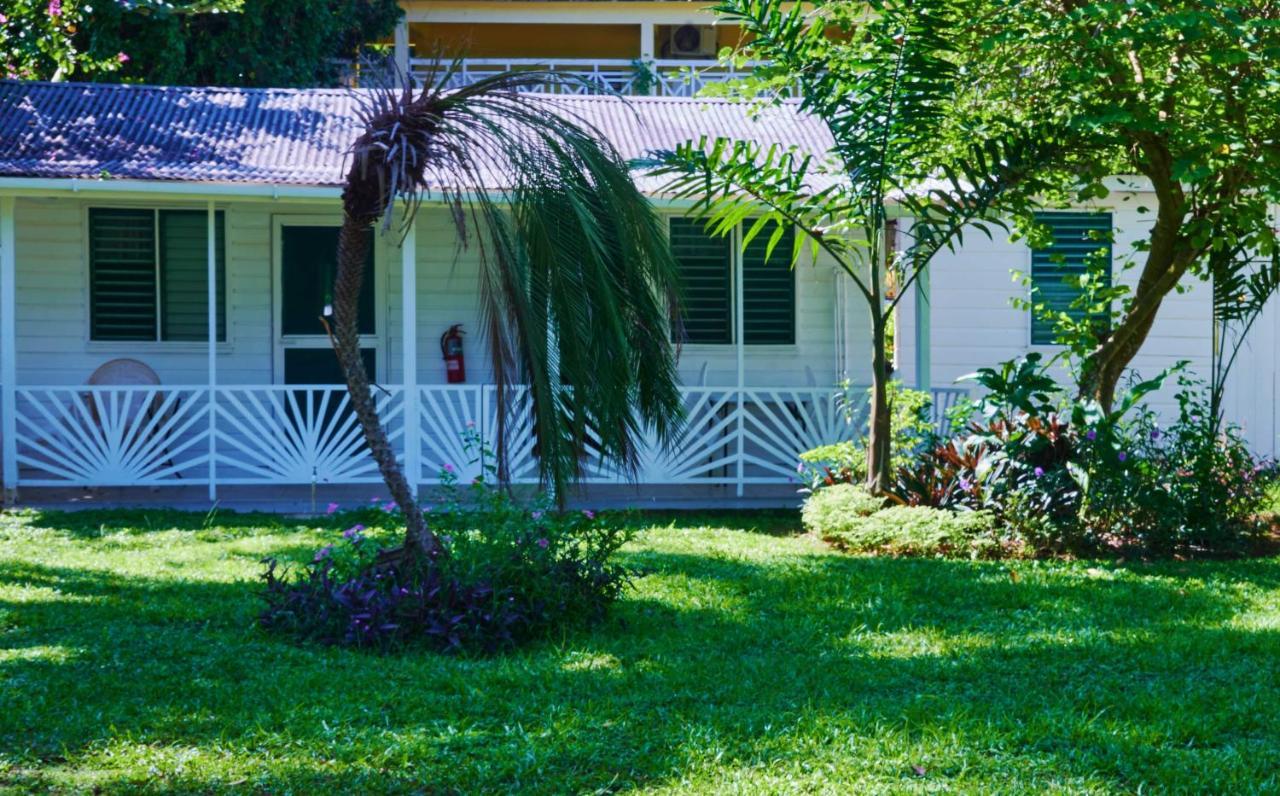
x,y
692,41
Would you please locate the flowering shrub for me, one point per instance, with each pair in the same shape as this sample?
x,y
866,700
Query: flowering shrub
x,y
1102,481
510,573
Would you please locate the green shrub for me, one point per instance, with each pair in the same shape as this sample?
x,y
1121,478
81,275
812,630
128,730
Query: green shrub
x,y
511,573
918,531
831,509
846,462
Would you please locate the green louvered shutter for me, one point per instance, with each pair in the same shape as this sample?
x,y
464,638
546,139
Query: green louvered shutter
x,y
1055,271
769,291
122,274
184,269
706,263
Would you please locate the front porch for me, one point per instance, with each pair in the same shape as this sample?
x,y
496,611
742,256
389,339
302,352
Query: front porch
x,y
249,420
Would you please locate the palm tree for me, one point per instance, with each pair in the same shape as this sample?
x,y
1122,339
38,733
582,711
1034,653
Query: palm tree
x,y
578,286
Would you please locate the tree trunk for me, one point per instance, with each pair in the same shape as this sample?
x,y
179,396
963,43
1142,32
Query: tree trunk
x,y
353,248
879,441
1168,259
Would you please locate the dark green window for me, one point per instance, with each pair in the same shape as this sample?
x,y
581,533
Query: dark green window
x,y
768,286
309,260
148,275
706,268
1078,239
769,291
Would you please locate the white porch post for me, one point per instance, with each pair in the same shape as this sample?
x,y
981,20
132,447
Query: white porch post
x,y
739,330
402,49
923,332
8,349
211,267
409,365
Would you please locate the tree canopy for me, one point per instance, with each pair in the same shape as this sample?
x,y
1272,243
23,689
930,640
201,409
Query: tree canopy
x,y
189,42
1183,93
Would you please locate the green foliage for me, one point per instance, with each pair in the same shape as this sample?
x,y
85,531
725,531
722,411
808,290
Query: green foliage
x,y
1184,93
910,424
830,510
509,573
195,42
912,531
882,87
744,659
1109,480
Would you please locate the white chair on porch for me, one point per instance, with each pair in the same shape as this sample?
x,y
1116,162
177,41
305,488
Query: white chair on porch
x,y
125,372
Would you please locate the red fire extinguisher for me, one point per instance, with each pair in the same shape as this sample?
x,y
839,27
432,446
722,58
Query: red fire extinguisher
x,y
455,368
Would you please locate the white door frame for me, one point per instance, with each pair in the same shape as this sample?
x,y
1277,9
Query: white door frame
x,y
280,342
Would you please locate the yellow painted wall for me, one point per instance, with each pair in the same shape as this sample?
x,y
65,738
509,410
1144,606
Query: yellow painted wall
x,y
524,40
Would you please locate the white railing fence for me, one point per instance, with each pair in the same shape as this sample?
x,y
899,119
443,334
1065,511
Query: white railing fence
x,y
308,434
666,78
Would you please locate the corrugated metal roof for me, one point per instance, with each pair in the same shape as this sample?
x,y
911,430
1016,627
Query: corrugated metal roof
x,y
301,136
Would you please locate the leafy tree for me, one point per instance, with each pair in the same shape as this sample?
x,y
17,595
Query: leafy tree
x,y
577,280
881,78
1185,93
191,42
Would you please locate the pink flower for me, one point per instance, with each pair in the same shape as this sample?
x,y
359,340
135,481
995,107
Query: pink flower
x,y
589,514
332,508
55,8
448,468
122,58
543,543
3,19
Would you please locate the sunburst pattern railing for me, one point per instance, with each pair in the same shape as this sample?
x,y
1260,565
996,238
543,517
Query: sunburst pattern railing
x,y
289,434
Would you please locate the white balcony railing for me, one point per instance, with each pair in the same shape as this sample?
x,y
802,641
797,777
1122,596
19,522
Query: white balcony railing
x,y
287,434
669,78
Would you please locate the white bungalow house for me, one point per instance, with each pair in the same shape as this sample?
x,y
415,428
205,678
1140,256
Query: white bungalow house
x,y
178,243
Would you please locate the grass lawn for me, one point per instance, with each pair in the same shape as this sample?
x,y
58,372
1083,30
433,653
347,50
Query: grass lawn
x,y
745,659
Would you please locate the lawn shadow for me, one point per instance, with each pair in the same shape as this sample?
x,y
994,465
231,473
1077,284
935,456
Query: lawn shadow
x,y
749,662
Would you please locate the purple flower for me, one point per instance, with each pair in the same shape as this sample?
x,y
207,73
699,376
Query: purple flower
x,y
331,508
448,468
1039,472
55,8
390,507
353,533
1155,434
1091,435
471,424
537,515
800,467
375,499
965,484
323,552
543,543
1123,456
589,514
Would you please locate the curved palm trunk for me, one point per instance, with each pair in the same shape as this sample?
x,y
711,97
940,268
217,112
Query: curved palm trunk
x,y
353,246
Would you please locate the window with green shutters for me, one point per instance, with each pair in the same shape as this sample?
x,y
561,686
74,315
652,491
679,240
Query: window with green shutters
x,y
1056,270
768,291
148,275
707,268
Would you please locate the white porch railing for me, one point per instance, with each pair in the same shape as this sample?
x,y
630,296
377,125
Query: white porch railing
x,y
668,78
290,434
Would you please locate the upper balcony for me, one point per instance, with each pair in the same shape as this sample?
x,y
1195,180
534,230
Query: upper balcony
x,y
635,48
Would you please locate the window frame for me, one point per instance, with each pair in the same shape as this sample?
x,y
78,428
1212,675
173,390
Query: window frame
x,y
736,274
158,343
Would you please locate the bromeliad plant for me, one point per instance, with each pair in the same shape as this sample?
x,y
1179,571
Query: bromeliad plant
x,y
578,285
881,86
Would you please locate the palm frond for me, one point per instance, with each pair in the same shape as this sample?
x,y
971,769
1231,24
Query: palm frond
x,y
579,289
